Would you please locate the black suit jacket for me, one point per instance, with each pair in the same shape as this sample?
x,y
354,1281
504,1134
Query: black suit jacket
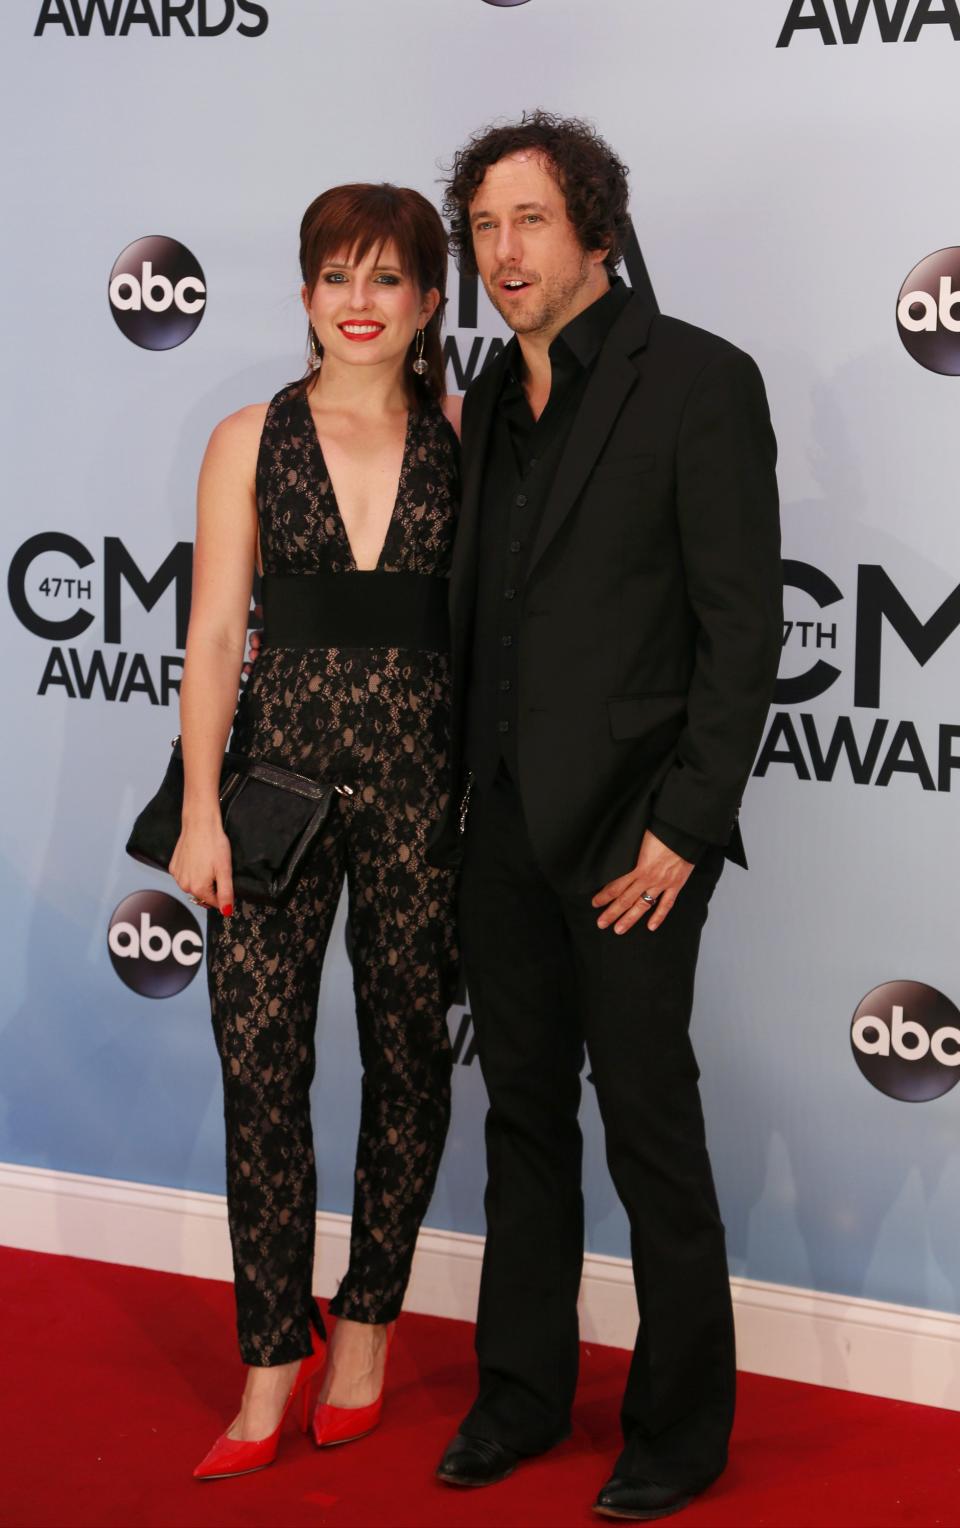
x,y
652,616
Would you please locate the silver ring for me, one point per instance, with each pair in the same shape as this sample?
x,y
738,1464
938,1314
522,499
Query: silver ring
x,y
646,897
196,902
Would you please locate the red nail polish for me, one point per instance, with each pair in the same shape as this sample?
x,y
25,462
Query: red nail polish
x,y
227,909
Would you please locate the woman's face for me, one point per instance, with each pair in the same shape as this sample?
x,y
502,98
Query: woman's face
x,y
367,313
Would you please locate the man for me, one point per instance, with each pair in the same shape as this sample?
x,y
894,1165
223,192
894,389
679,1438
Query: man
x,y
616,611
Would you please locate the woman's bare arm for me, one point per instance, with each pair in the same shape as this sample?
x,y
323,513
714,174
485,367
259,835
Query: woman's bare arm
x,y
223,565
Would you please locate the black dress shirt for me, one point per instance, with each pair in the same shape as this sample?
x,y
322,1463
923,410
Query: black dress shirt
x,y
523,457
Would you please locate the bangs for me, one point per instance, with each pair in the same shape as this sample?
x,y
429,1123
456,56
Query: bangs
x,y
351,222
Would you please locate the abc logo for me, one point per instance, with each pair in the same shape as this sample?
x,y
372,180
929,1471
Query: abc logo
x,y
155,944
157,293
906,1041
928,312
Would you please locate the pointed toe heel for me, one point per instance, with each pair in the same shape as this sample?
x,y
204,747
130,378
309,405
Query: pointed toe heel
x,y
237,1456
345,1424
234,1456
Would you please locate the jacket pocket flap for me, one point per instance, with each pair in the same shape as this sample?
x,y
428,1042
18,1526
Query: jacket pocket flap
x,y
623,466
633,715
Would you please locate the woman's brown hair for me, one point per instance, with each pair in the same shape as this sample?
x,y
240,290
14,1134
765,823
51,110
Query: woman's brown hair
x,y
360,218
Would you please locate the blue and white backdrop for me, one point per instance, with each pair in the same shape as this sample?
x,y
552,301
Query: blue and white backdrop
x,y
793,184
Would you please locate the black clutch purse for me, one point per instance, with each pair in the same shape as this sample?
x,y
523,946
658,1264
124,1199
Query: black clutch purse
x,y
271,815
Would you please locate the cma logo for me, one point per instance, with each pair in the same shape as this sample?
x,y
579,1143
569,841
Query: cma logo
x,y
157,292
879,603
844,20
51,580
876,749
906,1041
117,18
38,602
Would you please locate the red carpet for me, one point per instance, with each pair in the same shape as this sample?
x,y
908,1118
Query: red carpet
x,y
115,1381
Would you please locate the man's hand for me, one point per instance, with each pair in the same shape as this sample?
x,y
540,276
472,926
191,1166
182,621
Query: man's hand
x,y
659,873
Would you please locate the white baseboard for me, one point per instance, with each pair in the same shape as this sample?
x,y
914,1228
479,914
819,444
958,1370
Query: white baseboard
x,y
896,1351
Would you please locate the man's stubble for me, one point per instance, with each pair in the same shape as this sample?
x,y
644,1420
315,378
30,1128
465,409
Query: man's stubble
x,y
556,298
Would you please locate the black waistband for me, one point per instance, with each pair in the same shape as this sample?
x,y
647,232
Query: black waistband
x,y
356,610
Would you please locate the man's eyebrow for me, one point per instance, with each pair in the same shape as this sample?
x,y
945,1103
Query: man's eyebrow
x,y
517,207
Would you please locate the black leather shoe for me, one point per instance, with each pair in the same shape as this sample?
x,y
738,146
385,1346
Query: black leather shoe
x,y
640,1500
476,1462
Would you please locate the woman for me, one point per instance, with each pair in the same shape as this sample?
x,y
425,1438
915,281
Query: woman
x,y
344,491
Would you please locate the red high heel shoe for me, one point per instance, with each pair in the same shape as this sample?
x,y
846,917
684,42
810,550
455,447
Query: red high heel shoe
x,y
344,1424
235,1456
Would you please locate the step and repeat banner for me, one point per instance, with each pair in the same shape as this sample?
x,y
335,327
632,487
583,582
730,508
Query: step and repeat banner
x,y
794,189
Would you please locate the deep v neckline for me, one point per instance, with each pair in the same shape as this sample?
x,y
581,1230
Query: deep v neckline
x,y
327,475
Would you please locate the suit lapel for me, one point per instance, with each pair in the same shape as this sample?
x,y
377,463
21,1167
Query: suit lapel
x,y
613,377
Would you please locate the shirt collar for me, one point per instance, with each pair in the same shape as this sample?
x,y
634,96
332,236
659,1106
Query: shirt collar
x,y
585,334
582,338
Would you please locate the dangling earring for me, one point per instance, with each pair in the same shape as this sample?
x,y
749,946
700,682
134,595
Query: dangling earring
x,y
419,364
316,354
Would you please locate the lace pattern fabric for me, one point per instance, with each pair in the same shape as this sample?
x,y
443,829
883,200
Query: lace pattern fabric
x,y
378,720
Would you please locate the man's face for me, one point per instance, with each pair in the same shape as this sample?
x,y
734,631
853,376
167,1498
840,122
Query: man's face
x,y
527,251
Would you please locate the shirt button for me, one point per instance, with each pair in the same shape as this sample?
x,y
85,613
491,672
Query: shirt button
x,y
509,594
521,501
503,726
515,546
506,641
504,685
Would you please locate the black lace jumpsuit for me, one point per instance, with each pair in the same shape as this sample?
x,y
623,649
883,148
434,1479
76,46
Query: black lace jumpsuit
x,y
375,717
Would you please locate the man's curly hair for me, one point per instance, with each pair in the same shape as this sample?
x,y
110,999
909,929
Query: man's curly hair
x,y
588,172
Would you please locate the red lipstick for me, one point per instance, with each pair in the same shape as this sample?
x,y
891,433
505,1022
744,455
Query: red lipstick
x,y
363,329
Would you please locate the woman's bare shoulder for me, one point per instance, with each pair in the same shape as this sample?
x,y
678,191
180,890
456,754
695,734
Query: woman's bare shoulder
x,y
241,427
237,437
234,445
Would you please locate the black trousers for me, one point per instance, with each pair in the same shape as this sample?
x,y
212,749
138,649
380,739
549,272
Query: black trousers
x,y
544,983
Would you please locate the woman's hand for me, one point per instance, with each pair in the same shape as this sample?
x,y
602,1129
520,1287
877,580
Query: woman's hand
x,y
202,866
